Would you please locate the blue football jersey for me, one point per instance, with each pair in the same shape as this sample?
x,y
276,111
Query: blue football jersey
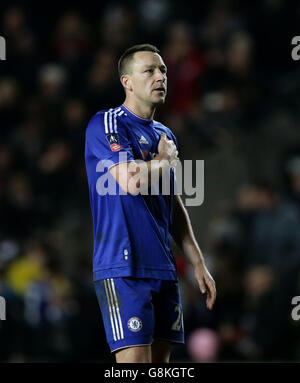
x,y
131,232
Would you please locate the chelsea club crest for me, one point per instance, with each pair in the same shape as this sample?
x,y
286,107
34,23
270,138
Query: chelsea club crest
x,y
134,324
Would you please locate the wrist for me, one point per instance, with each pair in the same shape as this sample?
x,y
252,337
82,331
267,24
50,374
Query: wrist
x,y
199,263
195,256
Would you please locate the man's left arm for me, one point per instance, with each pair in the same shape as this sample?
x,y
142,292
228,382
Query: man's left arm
x,y
183,235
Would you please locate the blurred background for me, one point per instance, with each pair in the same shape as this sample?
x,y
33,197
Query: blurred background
x,y
233,101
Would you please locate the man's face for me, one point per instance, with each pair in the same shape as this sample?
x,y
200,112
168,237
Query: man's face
x,y
148,77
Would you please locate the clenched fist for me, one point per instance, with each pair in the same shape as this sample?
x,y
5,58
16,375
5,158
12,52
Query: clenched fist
x,y
167,150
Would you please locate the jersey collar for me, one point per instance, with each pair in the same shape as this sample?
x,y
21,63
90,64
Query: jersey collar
x,y
141,120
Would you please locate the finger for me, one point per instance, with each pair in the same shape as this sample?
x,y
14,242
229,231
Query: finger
x,y
163,136
173,153
209,300
211,295
202,286
210,283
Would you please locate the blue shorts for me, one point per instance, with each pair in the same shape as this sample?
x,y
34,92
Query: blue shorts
x,y
137,310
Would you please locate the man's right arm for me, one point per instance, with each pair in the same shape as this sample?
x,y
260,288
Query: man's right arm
x,y
137,176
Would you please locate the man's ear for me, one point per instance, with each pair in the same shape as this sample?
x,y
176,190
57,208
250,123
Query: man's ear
x,y
126,82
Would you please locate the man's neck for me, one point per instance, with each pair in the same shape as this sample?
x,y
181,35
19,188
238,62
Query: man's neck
x,y
143,111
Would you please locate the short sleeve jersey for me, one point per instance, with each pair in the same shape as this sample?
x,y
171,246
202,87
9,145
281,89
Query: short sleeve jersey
x,y
132,233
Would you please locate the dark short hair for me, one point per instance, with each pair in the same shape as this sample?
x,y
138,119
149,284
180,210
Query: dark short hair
x,y
128,54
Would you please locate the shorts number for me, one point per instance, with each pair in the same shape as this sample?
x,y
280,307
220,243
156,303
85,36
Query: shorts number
x,y
177,324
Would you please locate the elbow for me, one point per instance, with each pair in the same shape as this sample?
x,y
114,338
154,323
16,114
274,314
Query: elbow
x,y
133,186
133,190
137,185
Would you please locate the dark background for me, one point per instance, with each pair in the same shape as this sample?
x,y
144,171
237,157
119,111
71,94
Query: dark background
x,y
233,101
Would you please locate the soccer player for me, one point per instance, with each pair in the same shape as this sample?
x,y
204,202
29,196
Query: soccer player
x,y
134,270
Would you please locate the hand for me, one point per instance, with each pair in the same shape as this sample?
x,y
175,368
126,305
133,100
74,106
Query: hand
x,y
206,284
167,150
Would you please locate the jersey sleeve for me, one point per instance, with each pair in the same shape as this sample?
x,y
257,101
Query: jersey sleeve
x,y
106,138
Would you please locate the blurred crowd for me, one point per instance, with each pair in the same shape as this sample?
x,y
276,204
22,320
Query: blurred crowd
x,y
232,102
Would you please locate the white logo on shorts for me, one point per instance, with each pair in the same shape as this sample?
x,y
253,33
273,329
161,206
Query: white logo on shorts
x,y
134,324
